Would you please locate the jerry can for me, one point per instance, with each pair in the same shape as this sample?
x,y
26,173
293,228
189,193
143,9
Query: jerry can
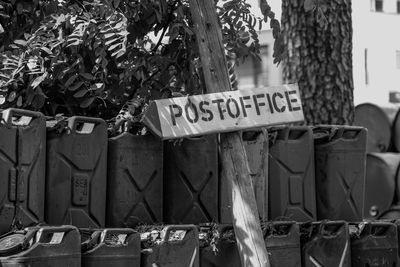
x,y
382,174
179,247
374,243
291,174
76,173
191,183
340,162
22,168
227,253
116,247
325,243
255,143
41,246
282,240
135,184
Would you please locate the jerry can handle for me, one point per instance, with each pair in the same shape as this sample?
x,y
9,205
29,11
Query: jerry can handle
x,y
26,116
380,229
88,124
58,233
184,227
196,138
120,231
92,241
271,228
283,133
351,133
296,133
324,228
288,224
28,237
291,133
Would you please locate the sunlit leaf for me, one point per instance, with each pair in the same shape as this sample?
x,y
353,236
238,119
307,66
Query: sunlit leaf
x,y
38,80
20,42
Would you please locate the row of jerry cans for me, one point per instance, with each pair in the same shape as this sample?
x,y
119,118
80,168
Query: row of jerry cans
x,y
323,243
68,246
299,173
53,176
152,181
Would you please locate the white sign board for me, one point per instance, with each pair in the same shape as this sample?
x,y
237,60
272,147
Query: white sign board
x,y
224,112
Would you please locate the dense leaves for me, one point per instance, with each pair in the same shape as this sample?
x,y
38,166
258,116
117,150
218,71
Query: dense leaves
x,y
100,56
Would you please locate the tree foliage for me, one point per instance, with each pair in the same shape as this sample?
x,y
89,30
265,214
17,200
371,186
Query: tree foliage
x,y
96,57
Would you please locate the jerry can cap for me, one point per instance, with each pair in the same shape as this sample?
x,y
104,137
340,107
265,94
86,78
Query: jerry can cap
x,y
11,243
321,135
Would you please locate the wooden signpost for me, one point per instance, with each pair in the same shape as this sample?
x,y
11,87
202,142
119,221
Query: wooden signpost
x,y
224,110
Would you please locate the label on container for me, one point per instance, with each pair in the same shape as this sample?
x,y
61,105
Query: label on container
x,y
80,190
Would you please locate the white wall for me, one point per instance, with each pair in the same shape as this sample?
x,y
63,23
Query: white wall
x,y
378,33
270,74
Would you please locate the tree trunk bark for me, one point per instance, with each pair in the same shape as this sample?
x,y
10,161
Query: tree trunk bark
x,y
318,55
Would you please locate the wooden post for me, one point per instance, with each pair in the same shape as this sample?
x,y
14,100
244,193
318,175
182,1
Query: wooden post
x,y
235,167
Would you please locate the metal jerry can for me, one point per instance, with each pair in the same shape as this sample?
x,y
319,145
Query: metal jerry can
x,y
76,173
325,243
282,240
291,173
179,247
41,246
116,247
22,168
374,244
191,183
135,184
340,161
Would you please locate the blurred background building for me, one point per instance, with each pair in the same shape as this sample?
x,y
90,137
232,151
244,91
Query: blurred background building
x,y
376,52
